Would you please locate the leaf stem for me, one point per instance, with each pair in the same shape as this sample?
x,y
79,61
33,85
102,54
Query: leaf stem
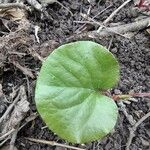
x,y
126,96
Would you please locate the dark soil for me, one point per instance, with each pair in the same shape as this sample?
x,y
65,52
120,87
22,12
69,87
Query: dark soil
x,y
133,55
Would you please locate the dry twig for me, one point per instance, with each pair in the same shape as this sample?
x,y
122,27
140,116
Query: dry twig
x,y
53,143
14,5
13,138
19,112
35,4
113,14
131,27
102,11
10,107
25,70
35,54
135,26
4,141
83,27
11,126
64,7
133,129
90,19
7,134
28,119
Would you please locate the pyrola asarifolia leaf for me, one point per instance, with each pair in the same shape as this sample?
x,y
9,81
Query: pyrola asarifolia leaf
x,y
69,91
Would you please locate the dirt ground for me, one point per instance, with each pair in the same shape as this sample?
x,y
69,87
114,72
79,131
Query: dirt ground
x,y
132,53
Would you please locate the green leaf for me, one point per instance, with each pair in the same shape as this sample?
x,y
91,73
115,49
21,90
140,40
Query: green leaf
x,y
69,91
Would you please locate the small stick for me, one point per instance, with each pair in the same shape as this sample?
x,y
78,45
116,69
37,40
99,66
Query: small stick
x,y
56,1
7,134
4,141
29,119
64,7
110,43
10,107
135,26
133,129
35,4
88,22
121,29
35,54
13,138
53,143
113,14
89,10
90,19
25,70
101,11
14,5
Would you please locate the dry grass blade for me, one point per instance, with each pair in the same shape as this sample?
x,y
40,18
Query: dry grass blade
x,y
53,143
133,129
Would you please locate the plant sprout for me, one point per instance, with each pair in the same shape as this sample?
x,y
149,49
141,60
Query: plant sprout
x,y
69,91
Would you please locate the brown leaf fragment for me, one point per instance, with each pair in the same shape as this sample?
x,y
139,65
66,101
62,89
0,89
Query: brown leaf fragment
x,y
13,14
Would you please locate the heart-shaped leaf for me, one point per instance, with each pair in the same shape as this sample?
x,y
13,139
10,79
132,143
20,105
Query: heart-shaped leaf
x,y
69,91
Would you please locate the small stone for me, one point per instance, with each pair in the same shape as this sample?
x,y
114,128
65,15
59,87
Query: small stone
x,y
2,108
114,50
148,70
144,142
74,6
116,91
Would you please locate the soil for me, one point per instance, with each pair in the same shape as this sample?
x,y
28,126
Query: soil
x,y
133,55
